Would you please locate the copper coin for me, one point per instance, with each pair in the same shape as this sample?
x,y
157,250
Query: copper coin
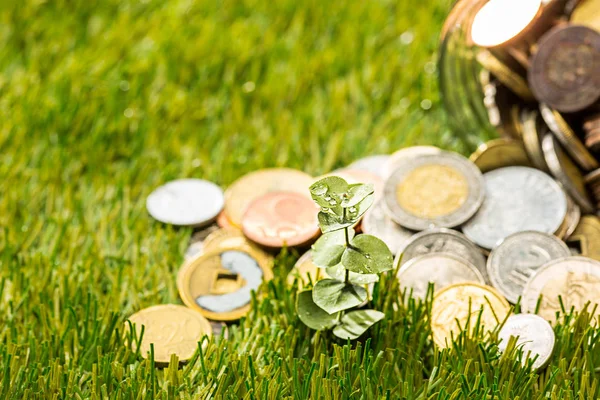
x,y
564,71
280,219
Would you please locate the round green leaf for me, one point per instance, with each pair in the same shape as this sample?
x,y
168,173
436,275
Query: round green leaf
x,y
339,272
333,295
330,222
355,323
367,255
357,193
327,192
311,314
328,250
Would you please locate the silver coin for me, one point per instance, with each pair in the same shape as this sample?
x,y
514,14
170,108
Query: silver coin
x,y
445,199
404,156
441,269
575,279
535,337
186,202
377,223
442,240
373,164
512,263
567,173
517,199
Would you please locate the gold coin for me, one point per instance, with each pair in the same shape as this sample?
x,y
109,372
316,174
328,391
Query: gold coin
x,y
172,329
305,271
500,153
532,139
416,193
220,281
249,187
516,83
459,304
588,234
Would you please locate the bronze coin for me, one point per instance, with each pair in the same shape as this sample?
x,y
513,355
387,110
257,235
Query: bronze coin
x,y
564,70
280,219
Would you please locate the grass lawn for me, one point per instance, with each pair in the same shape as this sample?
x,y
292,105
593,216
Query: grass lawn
x,y
102,101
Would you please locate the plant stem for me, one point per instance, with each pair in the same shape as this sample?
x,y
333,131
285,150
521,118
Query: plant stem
x,y
347,237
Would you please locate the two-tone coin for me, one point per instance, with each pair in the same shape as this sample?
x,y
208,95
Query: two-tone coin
x,y
569,140
279,219
376,222
463,304
442,190
571,282
249,187
403,156
374,164
517,199
186,202
512,263
534,336
440,269
442,240
171,329
219,283
567,173
563,71
500,153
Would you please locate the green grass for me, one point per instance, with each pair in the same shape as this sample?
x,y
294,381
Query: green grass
x,y
101,101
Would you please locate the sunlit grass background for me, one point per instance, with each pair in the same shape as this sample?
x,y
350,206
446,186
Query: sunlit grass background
x,y
102,101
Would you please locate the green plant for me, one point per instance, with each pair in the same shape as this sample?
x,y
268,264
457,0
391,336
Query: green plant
x,y
351,261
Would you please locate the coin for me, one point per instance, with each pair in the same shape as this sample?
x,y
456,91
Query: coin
x,y
509,78
571,220
305,271
499,153
564,69
587,13
496,22
535,337
442,190
512,263
559,127
185,202
279,219
223,220
172,329
249,187
517,199
219,282
567,173
576,280
441,269
588,233
373,164
404,156
232,238
461,305
442,240
196,245
532,138
377,223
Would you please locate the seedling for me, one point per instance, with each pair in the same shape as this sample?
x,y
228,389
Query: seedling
x,y
351,261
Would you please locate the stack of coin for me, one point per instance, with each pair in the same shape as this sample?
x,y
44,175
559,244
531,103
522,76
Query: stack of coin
x,y
591,129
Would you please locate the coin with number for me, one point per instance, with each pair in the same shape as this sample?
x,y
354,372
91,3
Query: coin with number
x,y
567,173
441,269
456,306
442,240
442,190
219,283
512,263
517,199
564,69
172,329
377,223
249,187
573,280
535,337
279,219
186,202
